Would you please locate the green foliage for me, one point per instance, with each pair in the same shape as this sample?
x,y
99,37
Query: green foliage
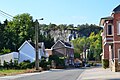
x,y
86,29
22,27
25,64
58,61
44,64
105,63
48,41
4,51
6,65
76,55
93,43
11,64
15,65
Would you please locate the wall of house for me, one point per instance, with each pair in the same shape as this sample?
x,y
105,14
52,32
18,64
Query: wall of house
x,y
116,66
106,51
116,18
27,53
8,57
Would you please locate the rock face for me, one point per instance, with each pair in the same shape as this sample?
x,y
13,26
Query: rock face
x,y
65,35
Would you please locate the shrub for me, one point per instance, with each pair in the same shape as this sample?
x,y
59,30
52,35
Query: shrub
x,y
6,65
16,66
11,64
25,64
4,51
44,64
105,63
59,62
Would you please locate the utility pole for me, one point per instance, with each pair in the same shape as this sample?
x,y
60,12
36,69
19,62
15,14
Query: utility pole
x,y
36,45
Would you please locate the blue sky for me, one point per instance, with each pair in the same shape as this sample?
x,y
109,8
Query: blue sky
x,y
60,11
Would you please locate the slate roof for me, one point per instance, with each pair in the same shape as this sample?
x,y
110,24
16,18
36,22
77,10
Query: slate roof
x,y
66,43
117,9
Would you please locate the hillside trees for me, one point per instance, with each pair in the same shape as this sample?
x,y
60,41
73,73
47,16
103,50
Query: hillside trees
x,y
93,43
86,29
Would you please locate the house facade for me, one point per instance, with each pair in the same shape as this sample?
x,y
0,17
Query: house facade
x,y
111,39
64,49
8,57
27,51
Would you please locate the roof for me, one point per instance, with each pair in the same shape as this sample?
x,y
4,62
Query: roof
x,y
104,19
41,44
26,42
65,44
117,9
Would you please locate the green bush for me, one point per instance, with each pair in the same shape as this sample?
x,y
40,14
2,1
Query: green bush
x,y
4,51
25,64
44,64
105,63
16,65
59,62
11,64
6,65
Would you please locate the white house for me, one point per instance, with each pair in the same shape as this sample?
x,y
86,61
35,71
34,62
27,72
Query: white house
x,y
27,51
8,57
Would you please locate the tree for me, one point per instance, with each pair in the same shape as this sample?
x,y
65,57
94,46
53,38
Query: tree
x,y
80,45
23,28
86,29
95,45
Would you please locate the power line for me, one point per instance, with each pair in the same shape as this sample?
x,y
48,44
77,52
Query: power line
x,y
6,14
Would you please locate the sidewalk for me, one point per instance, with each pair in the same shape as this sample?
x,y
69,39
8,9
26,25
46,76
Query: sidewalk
x,y
99,73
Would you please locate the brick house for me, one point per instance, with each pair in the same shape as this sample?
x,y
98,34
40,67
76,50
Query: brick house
x,y
64,49
111,39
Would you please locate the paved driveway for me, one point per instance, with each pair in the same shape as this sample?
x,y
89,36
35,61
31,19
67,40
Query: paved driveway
x,y
54,74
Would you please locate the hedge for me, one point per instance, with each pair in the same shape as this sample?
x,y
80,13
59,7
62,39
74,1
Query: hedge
x,y
105,63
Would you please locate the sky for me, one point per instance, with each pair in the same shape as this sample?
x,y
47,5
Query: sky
x,y
60,11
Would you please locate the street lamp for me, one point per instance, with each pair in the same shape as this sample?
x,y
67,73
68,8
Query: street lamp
x,y
36,44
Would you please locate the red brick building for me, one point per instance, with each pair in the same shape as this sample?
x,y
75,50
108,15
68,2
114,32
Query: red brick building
x,y
111,39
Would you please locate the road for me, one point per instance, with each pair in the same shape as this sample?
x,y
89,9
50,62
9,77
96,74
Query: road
x,y
54,74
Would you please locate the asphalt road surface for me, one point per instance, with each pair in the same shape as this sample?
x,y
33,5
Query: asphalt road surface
x,y
54,74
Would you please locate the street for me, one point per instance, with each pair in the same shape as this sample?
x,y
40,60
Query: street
x,y
54,74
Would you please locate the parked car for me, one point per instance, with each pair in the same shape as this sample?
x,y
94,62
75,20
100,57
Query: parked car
x,y
87,65
77,64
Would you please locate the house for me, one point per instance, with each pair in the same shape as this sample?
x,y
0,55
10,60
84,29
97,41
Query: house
x,y
64,49
48,51
27,51
8,57
111,39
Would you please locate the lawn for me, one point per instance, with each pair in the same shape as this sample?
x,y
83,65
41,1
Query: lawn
x,y
14,72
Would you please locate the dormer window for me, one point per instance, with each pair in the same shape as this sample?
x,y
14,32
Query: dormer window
x,y
118,27
109,30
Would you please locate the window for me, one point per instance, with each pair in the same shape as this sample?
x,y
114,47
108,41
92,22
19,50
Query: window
x,y
118,28
109,29
119,55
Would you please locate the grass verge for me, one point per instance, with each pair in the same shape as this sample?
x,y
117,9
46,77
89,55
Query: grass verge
x,y
5,72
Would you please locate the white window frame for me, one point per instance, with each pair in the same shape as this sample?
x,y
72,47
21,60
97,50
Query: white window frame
x,y
119,56
112,29
118,30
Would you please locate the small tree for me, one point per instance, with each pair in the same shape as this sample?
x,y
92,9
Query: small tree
x,y
11,64
5,64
